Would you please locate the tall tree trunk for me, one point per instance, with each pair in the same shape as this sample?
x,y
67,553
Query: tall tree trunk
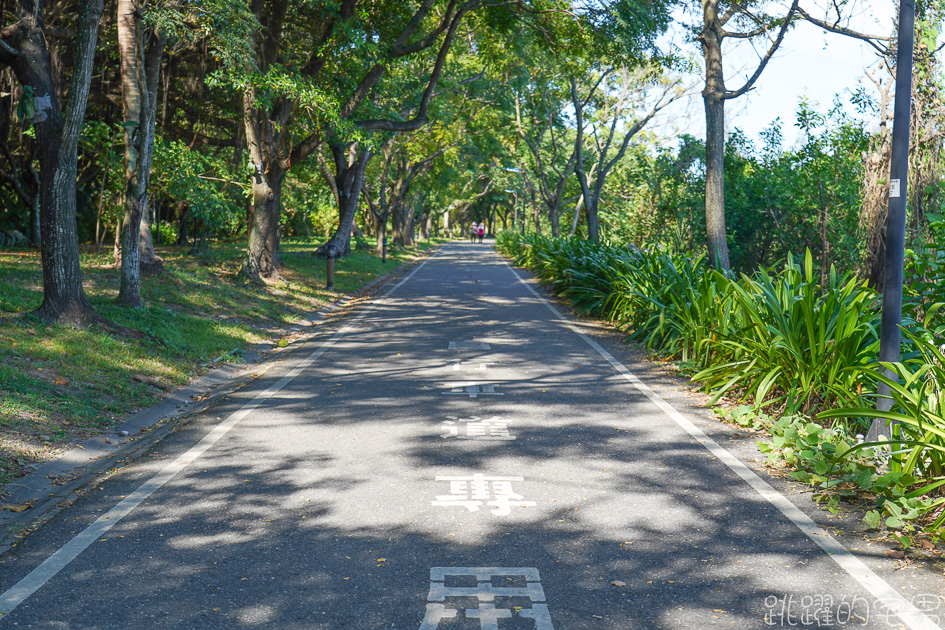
x,y
714,95
57,146
140,50
399,225
554,214
593,226
714,182
266,127
262,257
713,100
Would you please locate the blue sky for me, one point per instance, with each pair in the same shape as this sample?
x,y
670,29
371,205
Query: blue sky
x,y
811,63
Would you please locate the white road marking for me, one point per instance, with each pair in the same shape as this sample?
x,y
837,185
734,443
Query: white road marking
x,y
460,364
15,595
474,391
469,345
912,617
485,592
475,490
475,428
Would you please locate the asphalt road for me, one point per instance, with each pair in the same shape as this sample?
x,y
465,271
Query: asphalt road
x,y
452,456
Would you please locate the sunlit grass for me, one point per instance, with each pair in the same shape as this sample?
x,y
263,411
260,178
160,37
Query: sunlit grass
x,y
58,383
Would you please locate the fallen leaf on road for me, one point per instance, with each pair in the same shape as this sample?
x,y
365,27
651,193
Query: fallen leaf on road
x,y
618,583
22,507
895,553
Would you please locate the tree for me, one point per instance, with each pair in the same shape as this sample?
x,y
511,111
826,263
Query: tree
x,y
716,16
144,27
141,47
23,47
540,103
403,162
333,97
624,92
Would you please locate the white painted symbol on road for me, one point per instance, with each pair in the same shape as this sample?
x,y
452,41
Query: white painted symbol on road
x,y
473,491
488,613
459,365
475,390
469,345
475,428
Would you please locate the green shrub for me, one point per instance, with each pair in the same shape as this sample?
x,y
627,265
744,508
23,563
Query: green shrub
x,y
781,341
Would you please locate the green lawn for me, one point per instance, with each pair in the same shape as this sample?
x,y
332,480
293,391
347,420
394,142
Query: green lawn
x,y
59,384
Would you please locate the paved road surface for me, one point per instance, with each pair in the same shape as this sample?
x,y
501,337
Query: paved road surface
x,y
453,457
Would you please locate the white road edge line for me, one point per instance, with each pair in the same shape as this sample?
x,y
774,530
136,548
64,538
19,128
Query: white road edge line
x,y
911,616
19,592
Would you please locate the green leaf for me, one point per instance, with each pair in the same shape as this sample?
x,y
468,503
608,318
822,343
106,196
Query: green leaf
x,y
873,519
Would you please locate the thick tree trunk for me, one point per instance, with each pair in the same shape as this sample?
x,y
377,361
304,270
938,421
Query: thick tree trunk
x,y
262,259
129,293
399,226
57,145
349,177
380,229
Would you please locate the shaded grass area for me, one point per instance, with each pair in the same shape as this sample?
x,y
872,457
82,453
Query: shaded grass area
x,y
59,384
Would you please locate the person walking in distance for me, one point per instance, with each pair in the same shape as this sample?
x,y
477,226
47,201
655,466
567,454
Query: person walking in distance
x,y
473,231
482,231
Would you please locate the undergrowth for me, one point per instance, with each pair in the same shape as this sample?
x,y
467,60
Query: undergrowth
x,y
796,357
59,384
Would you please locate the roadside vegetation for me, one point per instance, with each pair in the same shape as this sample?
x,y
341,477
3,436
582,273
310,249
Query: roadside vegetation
x,y
61,383
788,354
168,170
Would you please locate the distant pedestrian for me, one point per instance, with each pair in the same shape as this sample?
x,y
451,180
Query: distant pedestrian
x,y
482,231
473,232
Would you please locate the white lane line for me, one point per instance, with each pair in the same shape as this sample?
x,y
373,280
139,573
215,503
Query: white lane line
x,y
911,616
17,594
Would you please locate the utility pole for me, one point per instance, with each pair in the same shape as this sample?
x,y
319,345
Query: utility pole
x,y
890,331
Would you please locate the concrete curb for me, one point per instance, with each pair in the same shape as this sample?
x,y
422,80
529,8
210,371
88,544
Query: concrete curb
x,y
56,484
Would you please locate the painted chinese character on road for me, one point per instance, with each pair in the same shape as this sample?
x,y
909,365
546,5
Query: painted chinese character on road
x,y
475,390
473,491
476,428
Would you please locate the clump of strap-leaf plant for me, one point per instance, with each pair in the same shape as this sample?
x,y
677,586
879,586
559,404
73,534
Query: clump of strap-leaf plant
x,y
797,351
776,338
913,458
791,339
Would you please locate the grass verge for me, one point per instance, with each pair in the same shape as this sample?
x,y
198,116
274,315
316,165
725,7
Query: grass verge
x,y
59,384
